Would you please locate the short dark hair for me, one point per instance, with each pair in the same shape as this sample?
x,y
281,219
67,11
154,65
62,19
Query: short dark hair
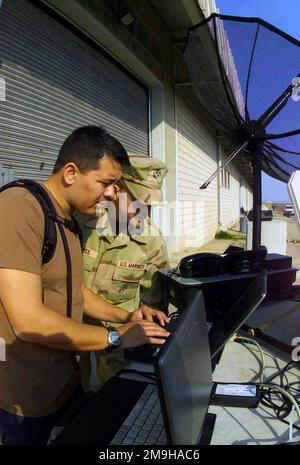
x,y
86,146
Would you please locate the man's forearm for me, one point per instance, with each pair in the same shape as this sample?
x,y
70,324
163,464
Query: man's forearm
x,y
54,330
98,308
33,322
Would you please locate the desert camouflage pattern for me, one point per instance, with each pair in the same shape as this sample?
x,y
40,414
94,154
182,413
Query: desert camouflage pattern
x,y
144,177
122,269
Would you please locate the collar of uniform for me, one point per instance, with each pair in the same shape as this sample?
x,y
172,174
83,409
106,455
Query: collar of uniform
x,y
123,239
118,241
106,231
102,226
139,238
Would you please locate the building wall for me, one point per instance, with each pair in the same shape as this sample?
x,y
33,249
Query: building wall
x,y
229,198
246,196
196,161
249,199
243,194
178,135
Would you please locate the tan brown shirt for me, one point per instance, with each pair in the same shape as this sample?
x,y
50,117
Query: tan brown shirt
x,y
36,380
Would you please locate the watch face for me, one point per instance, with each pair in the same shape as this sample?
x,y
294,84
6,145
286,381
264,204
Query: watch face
x,y
114,338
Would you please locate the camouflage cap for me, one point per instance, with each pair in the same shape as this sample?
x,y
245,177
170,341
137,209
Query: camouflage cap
x,y
144,177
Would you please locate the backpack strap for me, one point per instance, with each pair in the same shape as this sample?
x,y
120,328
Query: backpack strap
x,y
50,236
46,204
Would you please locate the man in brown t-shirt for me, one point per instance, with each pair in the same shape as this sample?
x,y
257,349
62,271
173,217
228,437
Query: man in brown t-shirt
x,y
40,375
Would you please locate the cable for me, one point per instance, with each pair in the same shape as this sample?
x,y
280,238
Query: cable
x,y
281,372
267,389
252,341
291,425
281,410
284,393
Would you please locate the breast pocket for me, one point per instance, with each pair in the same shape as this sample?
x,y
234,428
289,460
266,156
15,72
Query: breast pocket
x,y
128,275
88,265
125,282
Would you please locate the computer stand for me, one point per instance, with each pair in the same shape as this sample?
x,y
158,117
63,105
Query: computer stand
x,y
256,332
208,429
216,359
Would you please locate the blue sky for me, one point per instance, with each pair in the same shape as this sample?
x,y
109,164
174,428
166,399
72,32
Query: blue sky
x,y
286,16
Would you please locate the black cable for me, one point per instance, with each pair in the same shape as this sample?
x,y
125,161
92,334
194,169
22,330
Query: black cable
x,y
294,426
282,407
283,410
280,372
291,384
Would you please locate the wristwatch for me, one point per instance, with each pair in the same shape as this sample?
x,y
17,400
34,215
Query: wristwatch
x,y
114,339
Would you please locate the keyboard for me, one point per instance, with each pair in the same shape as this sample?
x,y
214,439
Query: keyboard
x,y
146,353
144,425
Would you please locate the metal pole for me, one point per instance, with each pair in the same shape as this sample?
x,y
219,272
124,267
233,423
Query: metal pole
x,y
219,169
256,237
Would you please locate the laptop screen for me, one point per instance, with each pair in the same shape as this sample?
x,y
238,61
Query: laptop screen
x,y
233,319
184,376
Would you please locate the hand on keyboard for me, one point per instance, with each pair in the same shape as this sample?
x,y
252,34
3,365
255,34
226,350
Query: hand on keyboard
x,y
149,314
172,323
142,332
146,353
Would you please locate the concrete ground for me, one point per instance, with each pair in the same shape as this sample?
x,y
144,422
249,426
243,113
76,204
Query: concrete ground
x,y
243,426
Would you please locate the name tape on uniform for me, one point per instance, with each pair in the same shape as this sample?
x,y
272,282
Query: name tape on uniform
x,y
131,265
89,252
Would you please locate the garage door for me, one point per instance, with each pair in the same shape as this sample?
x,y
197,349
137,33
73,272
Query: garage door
x,y
56,82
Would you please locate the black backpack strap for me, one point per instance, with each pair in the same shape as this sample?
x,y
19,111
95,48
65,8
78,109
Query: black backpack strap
x,y
50,237
69,269
72,225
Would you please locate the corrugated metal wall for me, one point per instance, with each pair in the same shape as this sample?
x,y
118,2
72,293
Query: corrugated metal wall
x,y
55,82
196,161
6,175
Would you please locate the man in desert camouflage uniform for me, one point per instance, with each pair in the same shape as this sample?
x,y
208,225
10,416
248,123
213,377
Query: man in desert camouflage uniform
x,y
121,258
